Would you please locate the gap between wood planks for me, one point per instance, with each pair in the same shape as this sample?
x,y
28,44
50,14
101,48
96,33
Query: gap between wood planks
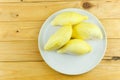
x,y
108,58
46,19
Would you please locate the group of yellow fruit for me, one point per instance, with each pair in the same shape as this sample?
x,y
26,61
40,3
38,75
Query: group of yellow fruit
x,y
70,37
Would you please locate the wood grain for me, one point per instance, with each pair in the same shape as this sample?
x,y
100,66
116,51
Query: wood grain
x,y
19,51
40,71
28,50
112,28
20,22
40,11
19,30
11,31
48,0
9,0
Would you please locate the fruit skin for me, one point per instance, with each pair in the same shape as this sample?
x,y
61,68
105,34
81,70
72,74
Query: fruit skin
x,y
86,30
76,46
59,38
68,18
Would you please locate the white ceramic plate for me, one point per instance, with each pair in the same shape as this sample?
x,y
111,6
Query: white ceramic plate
x,y
66,63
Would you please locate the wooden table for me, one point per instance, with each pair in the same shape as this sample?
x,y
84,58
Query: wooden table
x,y
20,22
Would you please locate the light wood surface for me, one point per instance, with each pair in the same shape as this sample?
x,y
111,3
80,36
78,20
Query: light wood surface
x,y
41,10
9,0
20,22
106,70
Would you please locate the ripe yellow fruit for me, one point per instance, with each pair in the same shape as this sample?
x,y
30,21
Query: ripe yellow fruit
x,y
59,38
86,30
76,46
68,18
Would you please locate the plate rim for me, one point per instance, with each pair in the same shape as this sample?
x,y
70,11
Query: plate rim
x,y
40,33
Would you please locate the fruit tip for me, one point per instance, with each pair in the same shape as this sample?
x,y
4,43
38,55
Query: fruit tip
x,y
60,51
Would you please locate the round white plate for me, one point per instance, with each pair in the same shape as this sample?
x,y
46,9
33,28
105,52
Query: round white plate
x,y
66,63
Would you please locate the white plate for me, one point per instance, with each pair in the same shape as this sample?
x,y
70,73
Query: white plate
x,y
66,63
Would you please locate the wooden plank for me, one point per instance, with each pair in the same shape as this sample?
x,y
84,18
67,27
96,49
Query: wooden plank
x,y
28,50
30,11
102,8
29,30
48,0
9,0
19,30
106,70
113,48
111,27
41,10
19,51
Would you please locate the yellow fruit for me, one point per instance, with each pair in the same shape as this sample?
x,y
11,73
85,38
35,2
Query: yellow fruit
x,y
86,30
68,18
76,46
59,38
